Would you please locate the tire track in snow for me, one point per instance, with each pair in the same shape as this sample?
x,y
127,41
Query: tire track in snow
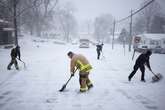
x,y
5,95
139,99
10,76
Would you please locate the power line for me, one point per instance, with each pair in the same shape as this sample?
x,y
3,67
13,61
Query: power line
x,y
123,19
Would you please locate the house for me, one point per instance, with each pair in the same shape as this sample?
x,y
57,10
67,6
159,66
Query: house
x,y
154,41
6,33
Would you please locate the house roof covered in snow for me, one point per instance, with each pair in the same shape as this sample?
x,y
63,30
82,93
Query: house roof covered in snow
x,y
152,36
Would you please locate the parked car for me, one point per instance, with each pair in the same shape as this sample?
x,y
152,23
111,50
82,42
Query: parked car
x,y
84,43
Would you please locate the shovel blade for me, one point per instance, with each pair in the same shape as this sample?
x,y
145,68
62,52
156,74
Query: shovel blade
x,y
62,89
157,77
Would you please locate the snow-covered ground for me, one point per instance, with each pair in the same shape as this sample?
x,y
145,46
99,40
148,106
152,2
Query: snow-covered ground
x,y
36,87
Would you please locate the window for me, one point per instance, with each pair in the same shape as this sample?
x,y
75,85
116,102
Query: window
x,y
152,42
157,42
144,42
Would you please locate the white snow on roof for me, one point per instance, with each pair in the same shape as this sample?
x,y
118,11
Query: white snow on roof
x,y
153,36
3,21
8,29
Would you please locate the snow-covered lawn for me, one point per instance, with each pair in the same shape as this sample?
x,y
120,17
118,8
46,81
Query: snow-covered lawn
x,y
36,87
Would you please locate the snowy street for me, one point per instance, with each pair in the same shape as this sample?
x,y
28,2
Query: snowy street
x,y
36,87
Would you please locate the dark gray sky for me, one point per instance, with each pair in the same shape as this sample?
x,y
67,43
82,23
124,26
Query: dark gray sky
x,y
89,9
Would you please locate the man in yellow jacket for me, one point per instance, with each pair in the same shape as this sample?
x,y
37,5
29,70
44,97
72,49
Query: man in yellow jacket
x,y
80,62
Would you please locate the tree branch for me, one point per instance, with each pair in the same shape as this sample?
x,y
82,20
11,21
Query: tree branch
x,y
5,6
29,7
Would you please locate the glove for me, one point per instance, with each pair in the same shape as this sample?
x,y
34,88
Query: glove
x,y
72,74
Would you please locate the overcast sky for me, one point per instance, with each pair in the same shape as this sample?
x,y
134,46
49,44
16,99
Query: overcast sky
x,y
89,9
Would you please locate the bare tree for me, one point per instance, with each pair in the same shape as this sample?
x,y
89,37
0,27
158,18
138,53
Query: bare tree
x,y
158,24
144,20
149,13
103,27
38,17
67,20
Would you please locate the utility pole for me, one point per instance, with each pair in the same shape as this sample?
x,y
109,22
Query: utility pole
x,y
15,21
88,28
124,40
113,34
130,39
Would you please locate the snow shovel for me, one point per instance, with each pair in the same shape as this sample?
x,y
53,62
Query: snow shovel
x,y
133,54
103,55
23,63
157,77
64,86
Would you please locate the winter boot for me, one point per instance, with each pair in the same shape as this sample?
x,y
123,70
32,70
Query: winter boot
x,y
9,67
143,80
83,89
90,86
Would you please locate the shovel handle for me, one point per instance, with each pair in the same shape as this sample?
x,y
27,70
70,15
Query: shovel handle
x,y
64,86
154,74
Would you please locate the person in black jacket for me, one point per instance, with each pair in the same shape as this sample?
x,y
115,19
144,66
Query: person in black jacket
x,y
141,61
99,50
15,52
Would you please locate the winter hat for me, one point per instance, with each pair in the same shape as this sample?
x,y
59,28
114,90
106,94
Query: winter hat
x,y
70,53
149,52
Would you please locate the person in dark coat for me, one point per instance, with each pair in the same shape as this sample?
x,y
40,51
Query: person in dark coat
x,y
15,52
99,48
141,61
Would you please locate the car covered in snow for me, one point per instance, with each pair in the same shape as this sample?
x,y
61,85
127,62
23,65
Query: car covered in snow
x,y
84,43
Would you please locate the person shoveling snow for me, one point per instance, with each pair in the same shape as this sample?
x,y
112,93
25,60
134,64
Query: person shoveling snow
x,y
79,61
141,61
15,52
